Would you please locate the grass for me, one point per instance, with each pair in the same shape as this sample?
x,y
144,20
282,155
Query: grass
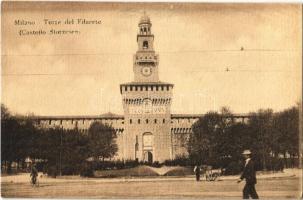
x,y
136,171
145,171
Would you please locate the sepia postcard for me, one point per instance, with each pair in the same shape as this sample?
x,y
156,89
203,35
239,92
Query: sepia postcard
x,y
151,100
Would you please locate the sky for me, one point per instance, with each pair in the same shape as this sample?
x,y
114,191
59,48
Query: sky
x,y
80,74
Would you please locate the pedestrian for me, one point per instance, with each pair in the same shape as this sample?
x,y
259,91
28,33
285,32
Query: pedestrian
x,y
249,174
197,170
34,174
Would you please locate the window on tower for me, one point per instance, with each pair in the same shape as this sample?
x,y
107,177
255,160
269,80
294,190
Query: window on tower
x,y
145,45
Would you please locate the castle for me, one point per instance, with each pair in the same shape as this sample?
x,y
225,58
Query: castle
x,y
147,131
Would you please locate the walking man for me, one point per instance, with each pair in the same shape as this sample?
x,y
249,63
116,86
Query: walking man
x,y
197,172
34,174
249,174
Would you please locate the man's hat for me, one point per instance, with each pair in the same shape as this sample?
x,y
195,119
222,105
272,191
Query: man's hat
x,y
246,152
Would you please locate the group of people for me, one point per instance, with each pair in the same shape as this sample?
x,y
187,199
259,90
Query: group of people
x,y
249,174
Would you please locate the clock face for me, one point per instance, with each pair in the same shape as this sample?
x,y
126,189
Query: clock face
x,y
146,71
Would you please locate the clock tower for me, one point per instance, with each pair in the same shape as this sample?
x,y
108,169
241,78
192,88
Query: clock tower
x,y
145,59
146,104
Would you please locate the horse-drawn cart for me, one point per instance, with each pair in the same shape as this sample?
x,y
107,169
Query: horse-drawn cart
x,y
211,174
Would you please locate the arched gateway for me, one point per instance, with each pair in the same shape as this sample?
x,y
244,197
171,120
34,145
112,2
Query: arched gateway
x,y
148,144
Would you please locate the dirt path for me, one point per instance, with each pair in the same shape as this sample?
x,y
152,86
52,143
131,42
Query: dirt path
x,y
284,187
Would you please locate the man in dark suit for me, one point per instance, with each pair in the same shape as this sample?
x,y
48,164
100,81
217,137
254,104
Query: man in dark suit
x,y
197,170
249,174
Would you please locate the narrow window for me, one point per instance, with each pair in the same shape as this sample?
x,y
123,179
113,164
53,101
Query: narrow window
x,y
145,44
139,121
146,121
130,121
163,121
155,121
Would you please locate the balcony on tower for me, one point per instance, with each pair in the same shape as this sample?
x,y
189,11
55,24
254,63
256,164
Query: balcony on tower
x,y
148,59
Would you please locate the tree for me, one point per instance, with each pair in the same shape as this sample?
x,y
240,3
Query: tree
x,y
286,127
200,142
262,135
224,142
5,114
64,150
218,140
102,141
240,139
210,142
16,137
9,129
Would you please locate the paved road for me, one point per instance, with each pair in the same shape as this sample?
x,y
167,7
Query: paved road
x,y
281,187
